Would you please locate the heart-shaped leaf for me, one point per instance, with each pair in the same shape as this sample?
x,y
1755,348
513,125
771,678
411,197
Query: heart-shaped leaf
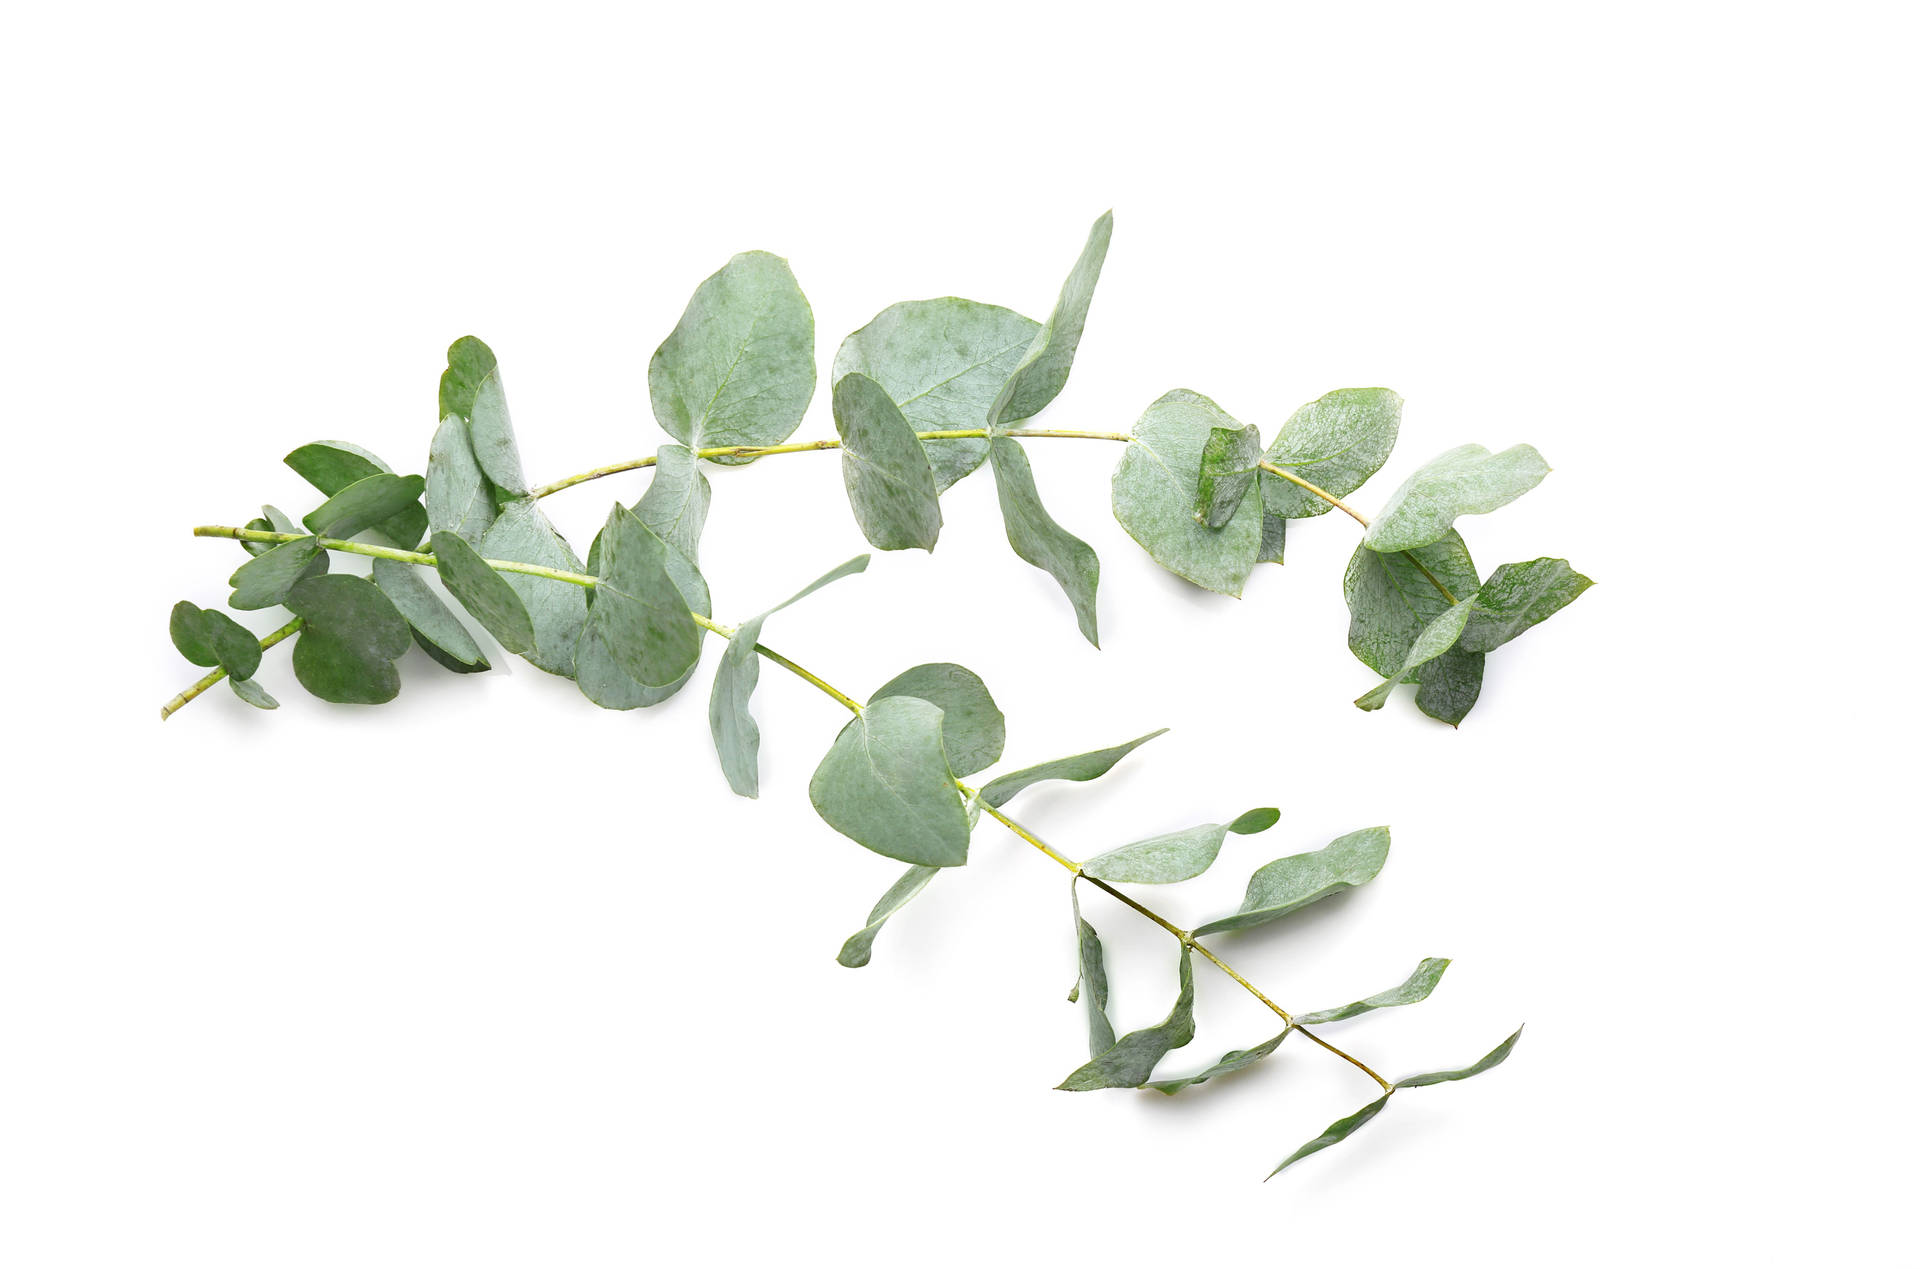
x,y
886,784
206,636
972,728
352,636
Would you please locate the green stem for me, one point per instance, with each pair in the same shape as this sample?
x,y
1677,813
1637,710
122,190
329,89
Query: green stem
x,y
266,641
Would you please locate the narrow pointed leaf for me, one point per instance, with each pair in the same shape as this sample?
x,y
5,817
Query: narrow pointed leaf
x,y
1450,684
1092,981
264,580
1289,884
250,691
435,628
558,610
1334,444
1130,1062
1081,767
1418,987
1153,492
1338,1131
736,736
1172,857
1487,1063
331,466
1439,635
943,362
1039,540
638,614
1236,1060
352,636
1229,461
738,368
886,784
972,728
675,503
484,593
459,495
1467,480
380,498
858,949
1043,371
888,479
1518,597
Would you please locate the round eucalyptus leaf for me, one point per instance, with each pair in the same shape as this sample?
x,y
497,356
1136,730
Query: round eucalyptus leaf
x,y
972,727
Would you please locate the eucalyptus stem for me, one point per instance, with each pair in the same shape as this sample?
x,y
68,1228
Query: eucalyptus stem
x,y
424,560
219,672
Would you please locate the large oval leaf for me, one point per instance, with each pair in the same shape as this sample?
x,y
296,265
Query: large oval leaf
x,y
972,728
352,636
886,784
1334,444
1154,488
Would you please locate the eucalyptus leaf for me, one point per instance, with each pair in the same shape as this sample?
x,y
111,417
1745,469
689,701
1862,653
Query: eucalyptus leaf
x,y
1153,491
1273,539
675,503
1518,597
459,495
886,784
888,479
1234,1060
972,728
1081,767
491,428
943,362
600,676
469,361
1229,461
1289,884
858,949
379,499
1039,540
435,628
558,610
331,466
1092,980
1338,1131
1171,857
1418,987
250,691
483,592
1334,444
639,615
736,737
1450,684
1498,1055
1043,371
351,638
264,580
206,637
270,520
1466,480
1392,597
1436,638
1130,1062
738,368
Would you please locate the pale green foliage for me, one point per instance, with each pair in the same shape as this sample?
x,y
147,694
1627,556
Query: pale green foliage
x,y
889,481
1177,856
1335,444
1418,987
972,729
1289,884
1338,1131
886,784
858,949
1154,490
1042,372
1129,1062
1467,480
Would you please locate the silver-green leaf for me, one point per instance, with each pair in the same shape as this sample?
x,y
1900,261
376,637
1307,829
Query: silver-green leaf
x,y
494,446
1487,1063
377,499
331,466
558,610
1172,857
265,580
738,368
1334,444
207,636
250,691
1234,1060
1153,492
1438,636
889,481
1130,1061
1081,767
1338,1131
675,503
483,592
858,949
1091,984
436,630
1392,597
1289,884
1039,540
1228,464
1043,371
1466,480
351,637
459,495
972,728
639,616
1418,987
1518,597
886,784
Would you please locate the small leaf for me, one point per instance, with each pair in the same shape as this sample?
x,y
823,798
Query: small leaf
x,y
270,520
972,728
1081,766
1518,597
1043,371
1228,463
490,428
858,949
1172,857
638,614
675,503
435,628
189,635
1153,491
331,466
558,610
1338,1131
888,479
1418,987
1487,1063
1439,635
1391,598
250,691
1467,480
1450,684
352,636
484,593
943,362
264,580
206,636
738,368
1335,444
378,499
1093,978
1130,1062
1273,539
1289,884
459,495
1039,540
468,362
886,784
1236,1060
736,737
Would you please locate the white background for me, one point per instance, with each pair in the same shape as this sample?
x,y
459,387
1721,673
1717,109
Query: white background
x,y
488,976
